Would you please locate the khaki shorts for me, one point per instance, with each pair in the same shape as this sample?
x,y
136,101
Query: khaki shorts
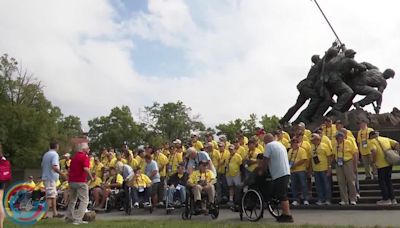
x,y
234,181
51,189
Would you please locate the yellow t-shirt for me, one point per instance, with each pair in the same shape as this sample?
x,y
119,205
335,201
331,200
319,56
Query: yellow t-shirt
x,y
111,163
387,144
260,146
330,132
64,185
165,152
39,186
252,155
31,184
306,147
115,180
196,176
95,183
223,161
285,143
307,134
140,181
58,183
162,162
344,150
98,169
134,163
296,156
363,142
323,151
198,145
245,140
286,136
214,156
327,141
241,151
173,161
234,163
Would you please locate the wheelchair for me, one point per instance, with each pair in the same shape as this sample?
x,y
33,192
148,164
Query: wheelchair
x,y
113,201
189,209
257,196
171,206
128,206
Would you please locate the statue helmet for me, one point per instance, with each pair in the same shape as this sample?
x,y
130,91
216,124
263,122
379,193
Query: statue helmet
x,y
332,52
389,73
315,59
349,52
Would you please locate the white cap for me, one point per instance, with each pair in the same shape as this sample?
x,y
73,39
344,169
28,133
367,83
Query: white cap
x,y
177,141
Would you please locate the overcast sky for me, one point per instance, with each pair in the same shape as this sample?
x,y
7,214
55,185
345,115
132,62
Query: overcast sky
x,y
224,58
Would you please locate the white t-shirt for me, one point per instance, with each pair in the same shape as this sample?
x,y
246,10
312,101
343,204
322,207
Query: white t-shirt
x,y
279,162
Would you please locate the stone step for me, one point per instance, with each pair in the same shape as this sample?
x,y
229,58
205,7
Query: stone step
x,y
346,207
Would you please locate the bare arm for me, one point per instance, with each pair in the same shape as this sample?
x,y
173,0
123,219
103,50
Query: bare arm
x,y
87,171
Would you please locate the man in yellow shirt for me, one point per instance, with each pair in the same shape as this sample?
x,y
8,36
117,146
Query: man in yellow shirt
x,y
141,187
162,162
200,181
346,167
239,135
166,149
196,143
210,139
213,153
250,161
174,159
233,177
111,161
321,164
378,147
279,137
239,149
298,160
328,128
222,186
113,182
223,139
98,167
284,133
364,146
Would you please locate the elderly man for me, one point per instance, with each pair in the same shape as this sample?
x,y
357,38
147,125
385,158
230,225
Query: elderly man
x,y
346,166
200,181
298,162
277,161
78,187
364,146
321,165
194,160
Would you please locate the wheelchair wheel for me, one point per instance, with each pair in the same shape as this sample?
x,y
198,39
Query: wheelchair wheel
x,y
252,205
215,212
274,208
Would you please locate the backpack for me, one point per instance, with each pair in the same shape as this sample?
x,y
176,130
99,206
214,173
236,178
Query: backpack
x,y
5,170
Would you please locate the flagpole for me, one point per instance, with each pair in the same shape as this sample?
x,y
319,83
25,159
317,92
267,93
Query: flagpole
x,y
323,14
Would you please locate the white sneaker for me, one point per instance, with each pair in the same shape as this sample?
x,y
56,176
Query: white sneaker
x,y
79,223
136,205
319,203
353,203
342,203
295,203
384,202
358,196
306,203
327,202
394,202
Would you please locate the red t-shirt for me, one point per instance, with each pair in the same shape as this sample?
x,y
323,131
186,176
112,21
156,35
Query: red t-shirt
x,y
76,173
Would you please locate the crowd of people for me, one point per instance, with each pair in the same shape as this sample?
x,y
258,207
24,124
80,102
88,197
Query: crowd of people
x,y
217,168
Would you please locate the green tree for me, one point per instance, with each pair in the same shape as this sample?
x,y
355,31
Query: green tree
x,y
269,123
250,125
172,120
231,128
115,129
28,120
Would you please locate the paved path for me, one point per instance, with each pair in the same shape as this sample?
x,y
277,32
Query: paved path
x,y
321,217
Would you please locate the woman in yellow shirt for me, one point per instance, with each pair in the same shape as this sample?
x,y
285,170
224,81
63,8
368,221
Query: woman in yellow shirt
x,y
346,167
298,160
174,159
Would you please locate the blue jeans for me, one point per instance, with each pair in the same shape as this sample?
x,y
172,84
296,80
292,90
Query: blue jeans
x,y
323,186
171,192
299,181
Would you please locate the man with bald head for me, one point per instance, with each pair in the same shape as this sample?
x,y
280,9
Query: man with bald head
x,y
276,159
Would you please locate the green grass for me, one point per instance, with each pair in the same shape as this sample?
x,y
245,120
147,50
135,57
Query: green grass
x,y
166,224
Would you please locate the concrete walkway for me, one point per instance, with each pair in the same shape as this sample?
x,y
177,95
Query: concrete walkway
x,y
318,217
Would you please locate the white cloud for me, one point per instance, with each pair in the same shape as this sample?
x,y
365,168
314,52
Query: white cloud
x,y
247,56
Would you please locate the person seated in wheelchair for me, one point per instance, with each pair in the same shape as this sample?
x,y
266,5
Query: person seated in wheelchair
x,y
39,190
95,186
177,186
202,181
140,185
260,179
113,182
64,193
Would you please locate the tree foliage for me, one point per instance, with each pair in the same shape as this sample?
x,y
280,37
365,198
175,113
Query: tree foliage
x,y
28,120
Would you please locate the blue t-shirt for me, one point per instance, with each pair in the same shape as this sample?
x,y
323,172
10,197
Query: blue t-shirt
x,y
150,167
279,162
201,156
50,159
126,171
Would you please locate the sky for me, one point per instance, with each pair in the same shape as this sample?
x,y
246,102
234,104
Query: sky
x,y
225,59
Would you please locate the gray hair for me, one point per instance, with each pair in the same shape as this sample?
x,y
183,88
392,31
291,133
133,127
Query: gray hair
x,y
82,146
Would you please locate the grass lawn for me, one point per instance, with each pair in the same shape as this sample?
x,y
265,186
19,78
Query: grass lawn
x,y
164,224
